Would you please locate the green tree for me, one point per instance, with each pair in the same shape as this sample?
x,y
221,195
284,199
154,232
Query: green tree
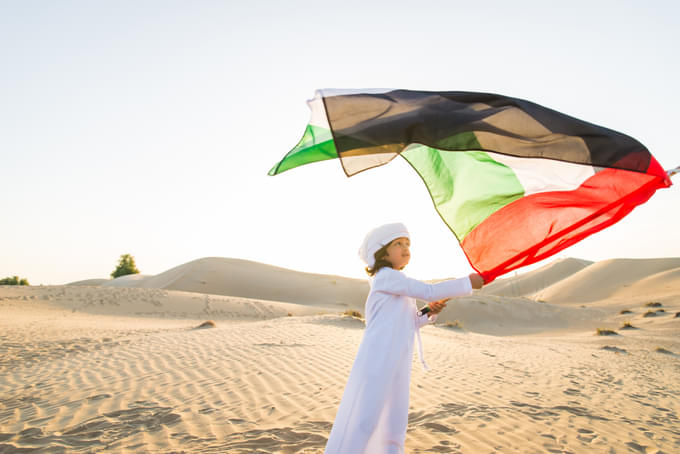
x,y
126,265
14,280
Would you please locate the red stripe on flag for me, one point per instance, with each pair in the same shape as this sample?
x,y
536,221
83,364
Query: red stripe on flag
x,y
540,225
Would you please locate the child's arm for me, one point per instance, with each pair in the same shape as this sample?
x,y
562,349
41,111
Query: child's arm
x,y
396,283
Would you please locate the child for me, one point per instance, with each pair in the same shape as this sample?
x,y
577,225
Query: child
x,y
373,413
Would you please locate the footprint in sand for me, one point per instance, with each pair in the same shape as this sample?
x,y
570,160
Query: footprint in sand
x,y
637,447
614,349
436,427
31,436
586,435
270,409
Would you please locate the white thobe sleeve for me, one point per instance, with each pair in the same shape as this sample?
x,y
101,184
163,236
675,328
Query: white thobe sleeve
x,y
395,282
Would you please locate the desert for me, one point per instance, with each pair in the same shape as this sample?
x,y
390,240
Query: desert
x,y
122,366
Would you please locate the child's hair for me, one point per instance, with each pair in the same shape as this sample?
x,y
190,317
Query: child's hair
x,y
380,261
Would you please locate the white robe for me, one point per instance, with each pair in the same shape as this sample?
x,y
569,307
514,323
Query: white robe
x,y
373,413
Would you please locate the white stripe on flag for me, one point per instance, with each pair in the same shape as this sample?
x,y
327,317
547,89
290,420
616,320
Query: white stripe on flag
x,y
544,175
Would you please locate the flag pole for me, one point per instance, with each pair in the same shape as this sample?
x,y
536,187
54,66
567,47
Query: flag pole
x,y
672,172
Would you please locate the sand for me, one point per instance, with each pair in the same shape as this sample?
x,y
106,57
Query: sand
x,y
106,366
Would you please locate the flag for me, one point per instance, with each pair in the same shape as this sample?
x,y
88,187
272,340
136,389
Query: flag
x,y
515,182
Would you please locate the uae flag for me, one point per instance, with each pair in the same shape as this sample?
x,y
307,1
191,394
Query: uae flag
x,y
514,181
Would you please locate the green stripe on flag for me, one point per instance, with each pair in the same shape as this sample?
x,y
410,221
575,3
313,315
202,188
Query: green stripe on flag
x,y
316,145
466,186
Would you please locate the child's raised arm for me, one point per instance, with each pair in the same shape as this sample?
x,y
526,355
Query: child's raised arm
x,y
396,283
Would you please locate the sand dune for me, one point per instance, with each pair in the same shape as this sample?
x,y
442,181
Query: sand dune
x,y
89,282
121,368
564,280
662,284
234,277
605,279
527,284
503,316
130,280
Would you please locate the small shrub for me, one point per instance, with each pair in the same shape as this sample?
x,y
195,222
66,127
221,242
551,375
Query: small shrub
x,y
663,350
653,304
352,313
456,324
625,311
14,280
126,265
677,315
627,325
651,313
606,332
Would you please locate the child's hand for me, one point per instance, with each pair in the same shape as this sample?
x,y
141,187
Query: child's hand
x,y
436,306
476,280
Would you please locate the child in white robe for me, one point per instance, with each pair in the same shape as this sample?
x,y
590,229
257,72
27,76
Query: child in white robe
x,y
373,413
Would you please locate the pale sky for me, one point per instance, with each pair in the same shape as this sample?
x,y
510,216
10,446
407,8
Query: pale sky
x,y
148,127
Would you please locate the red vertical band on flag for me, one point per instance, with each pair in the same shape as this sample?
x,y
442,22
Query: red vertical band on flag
x,y
540,225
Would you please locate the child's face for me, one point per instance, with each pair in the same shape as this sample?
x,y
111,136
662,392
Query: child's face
x,y
398,253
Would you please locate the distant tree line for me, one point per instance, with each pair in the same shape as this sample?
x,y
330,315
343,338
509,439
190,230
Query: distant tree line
x,y
14,280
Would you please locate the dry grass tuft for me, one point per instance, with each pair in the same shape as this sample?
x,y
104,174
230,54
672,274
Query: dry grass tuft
x,y
625,311
653,304
206,324
627,325
664,351
353,313
606,332
653,313
456,324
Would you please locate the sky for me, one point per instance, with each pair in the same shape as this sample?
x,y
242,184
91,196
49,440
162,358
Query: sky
x,y
148,127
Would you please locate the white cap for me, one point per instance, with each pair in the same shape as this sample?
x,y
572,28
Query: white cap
x,y
379,237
